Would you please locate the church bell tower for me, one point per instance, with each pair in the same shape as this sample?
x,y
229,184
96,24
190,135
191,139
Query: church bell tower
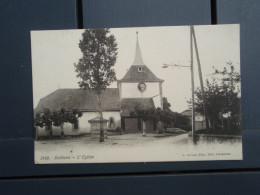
x,y
140,83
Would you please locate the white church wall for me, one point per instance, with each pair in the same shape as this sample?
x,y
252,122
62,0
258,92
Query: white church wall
x,y
69,130
84,125
40,131
157,101
130,90
116,117
56,130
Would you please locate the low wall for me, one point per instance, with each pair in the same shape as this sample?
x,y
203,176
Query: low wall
x,y
207,138
56,131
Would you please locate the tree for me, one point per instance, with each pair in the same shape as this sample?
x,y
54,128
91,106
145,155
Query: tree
x,y
222,95
167,117
48,118
95,68
143,113
164,115
146,113
166,104
44,118
181,121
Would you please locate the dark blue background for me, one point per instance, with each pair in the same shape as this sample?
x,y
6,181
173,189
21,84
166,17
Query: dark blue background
x,y
17,167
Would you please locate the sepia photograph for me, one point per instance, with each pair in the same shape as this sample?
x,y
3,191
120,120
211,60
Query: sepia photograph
x,y
139,94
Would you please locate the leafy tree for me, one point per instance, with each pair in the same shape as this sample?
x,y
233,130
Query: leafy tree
x,y
95,68
222,96
144,114
166,115
152,114
166,104
175,120
229,77
44,118
48,118
181,121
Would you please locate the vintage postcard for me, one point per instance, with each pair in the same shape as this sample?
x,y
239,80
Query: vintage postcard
x,y
144,94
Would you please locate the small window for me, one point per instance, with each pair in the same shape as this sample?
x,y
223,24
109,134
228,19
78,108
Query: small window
x,y
140,69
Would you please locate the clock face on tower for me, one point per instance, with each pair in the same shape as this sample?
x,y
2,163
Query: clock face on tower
x,y
141,87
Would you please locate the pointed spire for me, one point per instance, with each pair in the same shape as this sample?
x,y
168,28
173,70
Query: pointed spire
x,y
138,56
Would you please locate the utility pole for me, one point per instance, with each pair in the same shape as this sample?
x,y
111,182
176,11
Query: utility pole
x,y
192,36
200,76
192,85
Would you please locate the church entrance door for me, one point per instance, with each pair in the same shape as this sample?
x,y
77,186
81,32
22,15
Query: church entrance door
x,y
131,125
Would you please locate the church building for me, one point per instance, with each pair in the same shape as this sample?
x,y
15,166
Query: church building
x,y
139,87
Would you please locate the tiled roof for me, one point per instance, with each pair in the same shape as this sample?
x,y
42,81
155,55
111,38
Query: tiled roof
x,y
129,104
143,75
138,56
85,100
146,75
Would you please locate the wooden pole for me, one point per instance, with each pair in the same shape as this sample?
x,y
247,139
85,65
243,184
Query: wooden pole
x,y
201,78
192,85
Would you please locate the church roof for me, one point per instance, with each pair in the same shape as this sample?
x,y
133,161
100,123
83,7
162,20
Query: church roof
x,y
146,75
138,56
129,104
84,100
139,72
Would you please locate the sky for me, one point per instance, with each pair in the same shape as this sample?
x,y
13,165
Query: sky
x,y
54,53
